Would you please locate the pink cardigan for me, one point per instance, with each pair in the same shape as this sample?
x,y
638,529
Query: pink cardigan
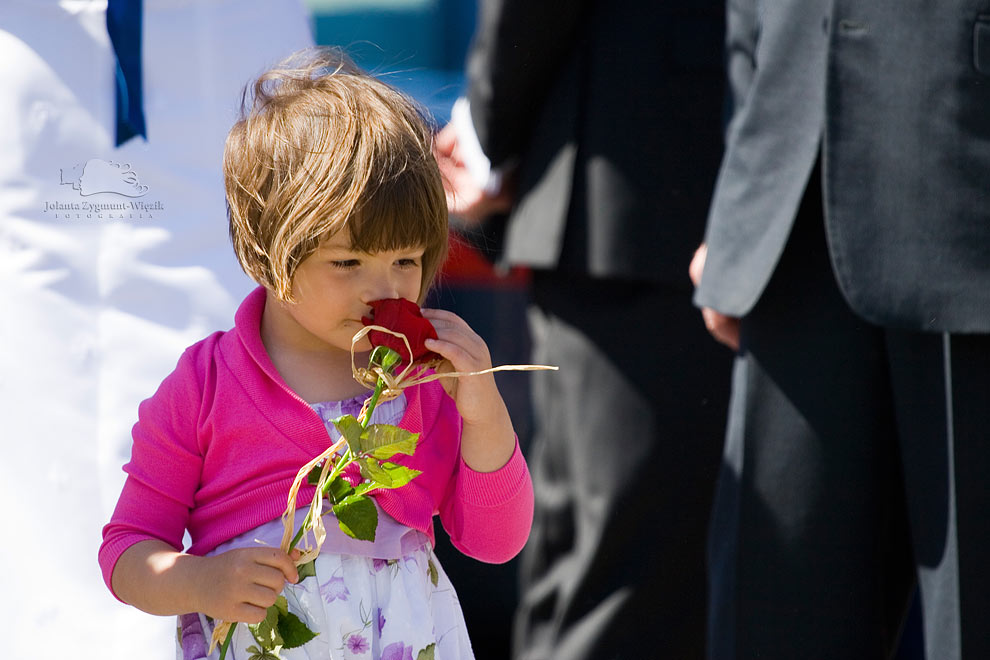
x,y
218,445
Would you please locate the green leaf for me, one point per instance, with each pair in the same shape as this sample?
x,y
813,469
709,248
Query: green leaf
x,y
357,517
281,604
370,469
294,631
258,654
434,575
385,441
406,447
427,653
350,429
313,478
306,570
399,474
266,631
338,489
365,488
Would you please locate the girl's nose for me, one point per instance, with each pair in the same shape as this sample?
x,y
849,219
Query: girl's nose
x,y
380,288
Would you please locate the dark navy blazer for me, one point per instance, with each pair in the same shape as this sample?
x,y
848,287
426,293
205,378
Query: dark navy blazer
x,y
613,111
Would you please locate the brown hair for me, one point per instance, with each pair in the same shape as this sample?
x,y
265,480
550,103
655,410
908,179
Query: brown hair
x,y
322,146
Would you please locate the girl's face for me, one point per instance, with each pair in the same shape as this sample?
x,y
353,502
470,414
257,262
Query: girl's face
x,y
332,288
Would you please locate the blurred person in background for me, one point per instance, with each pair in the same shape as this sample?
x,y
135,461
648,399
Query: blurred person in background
x,y
113,253
596,125
847,260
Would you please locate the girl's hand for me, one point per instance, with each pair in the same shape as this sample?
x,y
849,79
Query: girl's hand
x,y
240,585
477,397
487,438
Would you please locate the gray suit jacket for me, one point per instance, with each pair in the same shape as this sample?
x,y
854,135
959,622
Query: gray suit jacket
x,y
895,98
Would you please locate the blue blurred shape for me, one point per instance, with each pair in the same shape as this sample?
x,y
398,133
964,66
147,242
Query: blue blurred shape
x,y
417,45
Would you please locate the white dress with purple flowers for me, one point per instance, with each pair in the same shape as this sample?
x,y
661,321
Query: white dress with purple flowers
x,y
382,600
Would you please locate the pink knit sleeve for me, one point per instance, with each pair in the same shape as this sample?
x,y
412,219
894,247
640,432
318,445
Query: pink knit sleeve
x,y
490,514
164,470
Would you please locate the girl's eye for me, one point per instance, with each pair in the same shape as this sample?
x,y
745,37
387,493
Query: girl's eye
x,y
345,263
408,262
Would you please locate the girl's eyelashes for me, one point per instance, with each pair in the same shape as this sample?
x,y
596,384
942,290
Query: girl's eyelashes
x,y
412,261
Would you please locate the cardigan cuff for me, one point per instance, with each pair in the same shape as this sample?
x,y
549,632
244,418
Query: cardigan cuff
x,y
488,489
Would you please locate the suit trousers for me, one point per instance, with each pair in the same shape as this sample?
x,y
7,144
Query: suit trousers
x,y
627,440
855,464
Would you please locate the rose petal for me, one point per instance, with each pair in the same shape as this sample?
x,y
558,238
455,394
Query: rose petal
x,y
401,315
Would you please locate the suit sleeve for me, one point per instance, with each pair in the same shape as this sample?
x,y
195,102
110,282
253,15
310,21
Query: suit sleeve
x,y
518,48
742,36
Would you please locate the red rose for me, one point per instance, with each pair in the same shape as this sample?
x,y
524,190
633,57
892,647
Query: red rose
x,y
401,315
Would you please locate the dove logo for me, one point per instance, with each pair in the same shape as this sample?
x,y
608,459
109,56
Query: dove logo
x,y
101,176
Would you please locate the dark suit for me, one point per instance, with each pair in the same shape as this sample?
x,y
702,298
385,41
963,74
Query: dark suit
x,y
851,231
610,112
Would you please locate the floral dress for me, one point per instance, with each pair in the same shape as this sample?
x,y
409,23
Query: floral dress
x,y
383,600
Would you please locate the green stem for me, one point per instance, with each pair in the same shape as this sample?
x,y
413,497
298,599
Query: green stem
x,y
226,642
299,534
379,386
337,469
345,460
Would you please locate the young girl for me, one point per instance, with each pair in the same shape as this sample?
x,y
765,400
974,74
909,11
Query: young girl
x,y
335,201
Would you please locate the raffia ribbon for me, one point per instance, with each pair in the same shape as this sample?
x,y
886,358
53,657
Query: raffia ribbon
x,y
413,374
410,376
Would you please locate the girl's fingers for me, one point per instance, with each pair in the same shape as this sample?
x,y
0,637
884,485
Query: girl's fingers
x,y
435,312
464,338
262,597
443,318
457,342
458,358
464,355
276,559
450,350
270,578
449,326
247,613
